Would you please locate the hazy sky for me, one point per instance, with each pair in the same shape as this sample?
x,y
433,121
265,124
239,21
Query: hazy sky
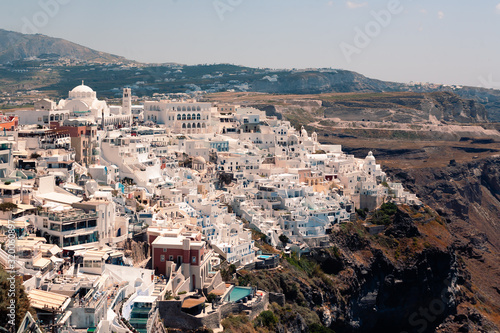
x,y
454,42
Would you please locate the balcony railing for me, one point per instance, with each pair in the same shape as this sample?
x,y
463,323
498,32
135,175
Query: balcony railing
x,y
68,217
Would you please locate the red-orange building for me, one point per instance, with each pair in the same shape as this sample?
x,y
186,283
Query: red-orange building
x,y
181,254
9,123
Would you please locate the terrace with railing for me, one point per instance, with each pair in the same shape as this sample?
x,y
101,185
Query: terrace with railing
x,y
71,216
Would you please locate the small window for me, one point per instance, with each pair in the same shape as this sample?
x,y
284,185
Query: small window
x,y
164,250
171,258
162,258
194,260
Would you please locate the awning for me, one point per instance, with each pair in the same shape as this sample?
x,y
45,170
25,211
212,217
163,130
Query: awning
x,y
55,259
59,197
72,186
48,301
116,254
65,318
80,234
20,153
55,250
24,207
94,258
41,263
58,173
12,186
17,224
192,302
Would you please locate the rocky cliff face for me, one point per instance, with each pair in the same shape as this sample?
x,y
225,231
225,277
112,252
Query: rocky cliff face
x,y
451,107
490,98
384,296
468,196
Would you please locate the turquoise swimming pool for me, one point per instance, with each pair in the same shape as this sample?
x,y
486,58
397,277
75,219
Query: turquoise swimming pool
x,y
238,293
265,256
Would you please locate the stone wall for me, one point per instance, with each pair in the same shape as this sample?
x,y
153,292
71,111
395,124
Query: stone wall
x,y
254,309
315,241
171,313
272,262
212,320
172,316
278,298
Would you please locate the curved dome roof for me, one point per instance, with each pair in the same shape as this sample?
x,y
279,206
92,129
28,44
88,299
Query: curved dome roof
x,y
370,156
82,88
199,159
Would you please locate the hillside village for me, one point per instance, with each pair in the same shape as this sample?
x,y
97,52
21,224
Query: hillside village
x,y
191,182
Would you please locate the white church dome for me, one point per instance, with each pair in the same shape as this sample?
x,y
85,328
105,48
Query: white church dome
x,y
199,159
82,88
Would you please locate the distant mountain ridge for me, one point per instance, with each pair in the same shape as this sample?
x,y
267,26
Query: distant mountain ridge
x,y
16,46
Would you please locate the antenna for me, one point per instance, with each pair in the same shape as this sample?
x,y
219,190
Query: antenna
x,y
82,82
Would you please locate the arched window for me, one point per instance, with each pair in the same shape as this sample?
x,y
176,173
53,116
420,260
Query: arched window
x,y
183,117
184,125
178,108
178,117
189,108
183,108
198,116
199,125
198,109
51,117
203,125
189,125
188,117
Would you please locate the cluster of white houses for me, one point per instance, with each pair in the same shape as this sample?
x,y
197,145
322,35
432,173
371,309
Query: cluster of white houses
x,y
83,177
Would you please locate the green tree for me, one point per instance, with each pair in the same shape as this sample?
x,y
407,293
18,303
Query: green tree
x,y
266,319
317,328
22,302
211,298
7,206
284,239
385,213
227,274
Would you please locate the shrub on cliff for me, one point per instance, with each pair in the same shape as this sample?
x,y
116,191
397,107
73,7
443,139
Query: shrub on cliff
x,y
385,213
266,319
